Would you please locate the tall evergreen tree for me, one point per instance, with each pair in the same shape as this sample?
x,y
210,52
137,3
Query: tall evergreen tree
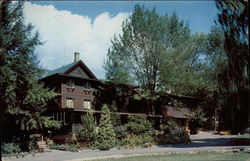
x,y
19,71
87,131
106,135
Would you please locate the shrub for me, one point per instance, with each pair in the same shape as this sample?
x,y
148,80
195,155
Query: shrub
x,y
8,149
139,125
168,126
106,135
32,146
133,141
174,138
197,120
115,118
87,131
120,132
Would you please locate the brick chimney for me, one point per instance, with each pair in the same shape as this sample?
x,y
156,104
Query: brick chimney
x,y
77,56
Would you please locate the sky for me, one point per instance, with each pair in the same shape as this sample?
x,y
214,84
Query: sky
x,y
89,26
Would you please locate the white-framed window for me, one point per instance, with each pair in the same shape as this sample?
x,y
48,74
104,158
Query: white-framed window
x,y
87,104
70,103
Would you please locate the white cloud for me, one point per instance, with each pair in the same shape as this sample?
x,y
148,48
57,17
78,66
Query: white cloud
x,y
63,33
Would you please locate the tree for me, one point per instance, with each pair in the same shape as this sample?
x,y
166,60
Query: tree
x,y
138,54
234,78
87,131
19,71
106,135
158,53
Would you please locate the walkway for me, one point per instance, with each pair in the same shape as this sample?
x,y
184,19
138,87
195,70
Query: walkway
x,y
201,142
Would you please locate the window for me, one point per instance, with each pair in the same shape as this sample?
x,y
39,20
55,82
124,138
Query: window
x,y
70,103
70,83
87,104
87,85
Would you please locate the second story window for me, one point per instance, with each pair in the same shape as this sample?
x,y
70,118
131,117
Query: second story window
x,y
87,85
70,83
87,104
70,103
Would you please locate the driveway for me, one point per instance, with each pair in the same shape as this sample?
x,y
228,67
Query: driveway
x,y
201,142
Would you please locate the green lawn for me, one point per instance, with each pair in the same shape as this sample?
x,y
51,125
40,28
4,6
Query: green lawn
x,y
201,156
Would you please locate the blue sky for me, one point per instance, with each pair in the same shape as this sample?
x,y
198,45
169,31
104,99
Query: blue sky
x,y
199,14
88,26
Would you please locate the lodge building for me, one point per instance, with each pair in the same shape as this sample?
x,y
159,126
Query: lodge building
x,y
78,91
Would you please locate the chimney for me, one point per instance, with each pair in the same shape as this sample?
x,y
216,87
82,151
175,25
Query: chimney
x,y
77,56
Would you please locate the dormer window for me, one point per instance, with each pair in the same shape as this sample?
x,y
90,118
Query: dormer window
x,y
87,85
71,84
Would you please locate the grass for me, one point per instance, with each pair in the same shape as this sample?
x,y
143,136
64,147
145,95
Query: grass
x,y
200,156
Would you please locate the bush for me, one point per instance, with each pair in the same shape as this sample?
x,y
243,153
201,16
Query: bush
x,y
133,141
197,120
139,125
168,126
176,138
120,132
115,118
32,146
106,135
87,132
8,149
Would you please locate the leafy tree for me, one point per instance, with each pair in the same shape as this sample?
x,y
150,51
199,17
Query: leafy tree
x,y
160,53
146,38
88,131
106,135
115,68
234,78
19,71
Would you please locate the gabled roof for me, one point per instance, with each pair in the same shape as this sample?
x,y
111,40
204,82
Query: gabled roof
x,y
67,68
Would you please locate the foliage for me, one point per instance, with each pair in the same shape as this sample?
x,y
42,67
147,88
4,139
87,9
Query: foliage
x,y
10,148
35,121
19,70
133,141
115,118
120,132
197,120
106,135
168,126
87,131
160,53
65,147
174,138
233,79
139,125
32,146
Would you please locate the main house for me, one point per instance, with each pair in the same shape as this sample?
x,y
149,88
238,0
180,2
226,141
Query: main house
x,y
79,91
